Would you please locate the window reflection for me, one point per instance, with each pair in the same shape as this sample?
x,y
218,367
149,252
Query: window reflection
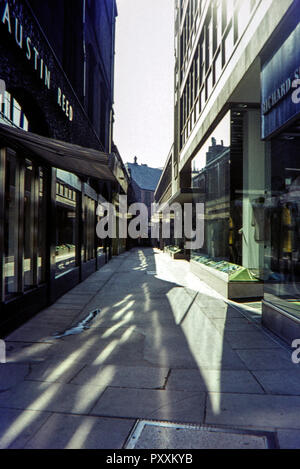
x,y
66,228
89,228
24,225
211,173
282,227
11,226
28,231
41,263
11,112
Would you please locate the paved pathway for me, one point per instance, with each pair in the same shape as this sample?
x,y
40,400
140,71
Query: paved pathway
x,y
160,345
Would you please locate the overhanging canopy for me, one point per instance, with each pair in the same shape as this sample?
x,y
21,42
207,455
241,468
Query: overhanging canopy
x,y
185,196
73,158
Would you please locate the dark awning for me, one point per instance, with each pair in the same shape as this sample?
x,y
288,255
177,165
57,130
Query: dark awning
x,y
73,158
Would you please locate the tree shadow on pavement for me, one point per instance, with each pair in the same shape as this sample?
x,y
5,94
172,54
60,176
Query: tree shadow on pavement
x,y
157,350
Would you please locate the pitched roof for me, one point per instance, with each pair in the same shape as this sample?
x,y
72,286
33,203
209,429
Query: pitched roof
x,y
146,178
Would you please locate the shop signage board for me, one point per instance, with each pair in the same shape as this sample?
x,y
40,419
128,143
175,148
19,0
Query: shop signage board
x,y
280,86
17,28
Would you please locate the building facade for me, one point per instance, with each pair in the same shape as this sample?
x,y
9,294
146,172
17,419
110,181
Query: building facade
x,y
236,137
56,142
143,182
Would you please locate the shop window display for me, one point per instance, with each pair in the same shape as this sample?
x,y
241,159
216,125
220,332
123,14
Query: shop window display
x,y
282,258
89,228
232,220
24,225
66,229
211,173
11,226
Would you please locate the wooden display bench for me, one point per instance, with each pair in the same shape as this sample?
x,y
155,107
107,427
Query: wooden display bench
x,y
221,282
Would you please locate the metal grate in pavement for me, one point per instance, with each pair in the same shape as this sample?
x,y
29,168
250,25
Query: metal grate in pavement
x,y
148,434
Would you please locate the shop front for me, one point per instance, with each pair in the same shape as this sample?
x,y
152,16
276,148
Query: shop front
x,y
48,218
281,131
50,182
228,171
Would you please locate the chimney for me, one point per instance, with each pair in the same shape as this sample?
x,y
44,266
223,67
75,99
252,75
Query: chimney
x,y
135,160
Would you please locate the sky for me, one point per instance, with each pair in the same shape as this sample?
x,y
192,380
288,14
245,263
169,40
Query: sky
x,y
144,80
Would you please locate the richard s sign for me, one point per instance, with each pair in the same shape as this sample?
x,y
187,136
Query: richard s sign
x,y
280,82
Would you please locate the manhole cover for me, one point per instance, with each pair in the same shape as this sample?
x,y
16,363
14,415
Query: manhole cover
x,y
165,435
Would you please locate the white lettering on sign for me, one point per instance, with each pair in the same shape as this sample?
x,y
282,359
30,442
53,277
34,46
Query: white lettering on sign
x,y
278,94
65,105
6,17
34,56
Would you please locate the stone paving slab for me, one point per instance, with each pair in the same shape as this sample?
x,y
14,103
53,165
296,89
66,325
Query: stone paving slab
x,y
147,325
213,381
34,333
180,302
59,370
152,404
122,376
56,307
134,311
27,352
77,432
233,325
124,347
18,426
215,307
52,321
267,360
51,397
279,382
12,374
253,339
73,295
255,410
206,343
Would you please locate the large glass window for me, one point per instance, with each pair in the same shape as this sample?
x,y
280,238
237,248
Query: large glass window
x,y
211,173
225,22
89,228
229,5
11,112
24,225
229,174
28,231
11,226
66,228
243,15
209,33
34,228
281,229
219,16
41,248
229,44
